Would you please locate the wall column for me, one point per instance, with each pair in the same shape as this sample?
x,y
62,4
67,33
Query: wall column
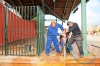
x,y
84,26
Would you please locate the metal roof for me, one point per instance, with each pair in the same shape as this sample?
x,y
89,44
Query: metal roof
x,y
59,8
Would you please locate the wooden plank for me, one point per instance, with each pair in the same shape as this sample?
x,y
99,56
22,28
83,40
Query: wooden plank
x,y
97,64
89,64
49,64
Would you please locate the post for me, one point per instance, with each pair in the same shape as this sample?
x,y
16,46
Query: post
x,y
6,32
62,22
84,26
56,19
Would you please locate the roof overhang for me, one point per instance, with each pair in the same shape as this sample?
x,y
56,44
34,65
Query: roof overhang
x,y
58,8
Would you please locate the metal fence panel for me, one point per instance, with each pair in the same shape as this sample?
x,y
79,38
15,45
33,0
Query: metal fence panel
x,y
21,30
2,29
40,31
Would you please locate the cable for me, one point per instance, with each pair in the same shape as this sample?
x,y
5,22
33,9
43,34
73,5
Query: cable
x,y
82,62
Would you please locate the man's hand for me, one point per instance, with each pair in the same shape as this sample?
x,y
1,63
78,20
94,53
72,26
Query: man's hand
x,y
67,33
81,37
60,36
61,33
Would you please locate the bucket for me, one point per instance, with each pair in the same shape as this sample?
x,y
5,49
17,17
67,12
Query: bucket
x,y
28,48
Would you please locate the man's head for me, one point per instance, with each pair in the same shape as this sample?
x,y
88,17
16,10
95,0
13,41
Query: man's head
x,y
69,23
53,24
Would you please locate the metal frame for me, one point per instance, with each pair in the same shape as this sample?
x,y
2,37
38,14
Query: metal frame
x,y
57,2
12,1
53,12
17,32
61,8
84,26
43,5
54,4
37,2
40,31
71,8
32,2
6,32
64,12
20,1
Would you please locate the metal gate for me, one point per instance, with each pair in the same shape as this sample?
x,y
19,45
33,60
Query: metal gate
x,y
40,31
21,30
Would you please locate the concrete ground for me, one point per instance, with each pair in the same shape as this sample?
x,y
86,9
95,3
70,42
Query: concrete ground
x,y
55,59
93,38
93,43
93,46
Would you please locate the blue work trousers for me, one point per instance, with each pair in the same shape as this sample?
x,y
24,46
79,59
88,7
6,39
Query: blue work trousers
x,y
51,38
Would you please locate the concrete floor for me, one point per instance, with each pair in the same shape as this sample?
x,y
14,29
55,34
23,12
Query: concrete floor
x,y
54,58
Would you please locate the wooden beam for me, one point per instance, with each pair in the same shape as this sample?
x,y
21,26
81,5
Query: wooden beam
x,y
32,2
64,12
20,1
53,12
72,8
12,1
43,5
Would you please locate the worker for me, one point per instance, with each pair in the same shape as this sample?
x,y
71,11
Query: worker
x,y
63,41
63,38
52,34
76,36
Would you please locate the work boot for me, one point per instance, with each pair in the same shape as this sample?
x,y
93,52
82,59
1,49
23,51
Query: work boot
x,y
47,54
82,56
59,52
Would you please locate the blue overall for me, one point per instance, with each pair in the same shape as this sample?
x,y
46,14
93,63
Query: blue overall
x,y
52,34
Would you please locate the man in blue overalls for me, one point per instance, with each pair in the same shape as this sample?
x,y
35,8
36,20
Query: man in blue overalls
x,y
52,34
76,36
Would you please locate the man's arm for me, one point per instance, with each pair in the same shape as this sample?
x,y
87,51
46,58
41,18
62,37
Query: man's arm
x,y
60,26
73,28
